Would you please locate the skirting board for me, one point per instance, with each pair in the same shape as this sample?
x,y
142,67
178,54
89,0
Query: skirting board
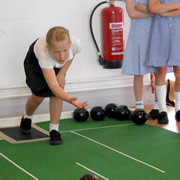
x,y
15,121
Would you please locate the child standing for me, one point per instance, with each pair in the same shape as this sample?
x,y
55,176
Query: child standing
x,y
137,49
46,64
164,51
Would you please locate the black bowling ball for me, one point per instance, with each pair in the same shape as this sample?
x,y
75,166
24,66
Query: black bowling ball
x,y
139,116
81,114
97,113
110,110
89,177
122,113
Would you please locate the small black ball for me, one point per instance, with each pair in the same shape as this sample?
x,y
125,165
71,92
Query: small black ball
x,y
97,113
122,113
89,177
81,114
139,116
110,110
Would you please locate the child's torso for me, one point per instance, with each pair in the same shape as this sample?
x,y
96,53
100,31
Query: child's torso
x,y
141,26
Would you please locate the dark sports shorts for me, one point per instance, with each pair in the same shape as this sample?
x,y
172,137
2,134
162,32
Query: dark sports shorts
x,y
34,76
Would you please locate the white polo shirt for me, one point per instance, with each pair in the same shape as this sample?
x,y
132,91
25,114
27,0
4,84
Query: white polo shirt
x,y
44,58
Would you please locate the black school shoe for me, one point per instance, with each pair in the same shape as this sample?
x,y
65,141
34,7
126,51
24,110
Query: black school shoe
x,y
25,125
153,114
163,118
177,116
55,137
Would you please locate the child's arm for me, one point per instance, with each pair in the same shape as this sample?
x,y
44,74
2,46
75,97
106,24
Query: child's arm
x,y
174,13
65,67
53,84
143,8
62,73
133,13
156,7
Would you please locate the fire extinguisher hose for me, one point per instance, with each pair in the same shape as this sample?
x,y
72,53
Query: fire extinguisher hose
x,y
92,33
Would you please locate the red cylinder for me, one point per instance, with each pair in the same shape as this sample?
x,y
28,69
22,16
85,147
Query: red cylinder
x,y
112,36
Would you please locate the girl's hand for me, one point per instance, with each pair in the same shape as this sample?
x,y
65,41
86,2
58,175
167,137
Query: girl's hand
x,y
141,7
157,1
74,101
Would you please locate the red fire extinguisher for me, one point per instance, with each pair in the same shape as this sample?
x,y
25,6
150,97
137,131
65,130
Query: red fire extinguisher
x,y
112,20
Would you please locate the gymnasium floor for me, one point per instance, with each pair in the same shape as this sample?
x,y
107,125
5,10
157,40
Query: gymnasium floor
x,y
111,149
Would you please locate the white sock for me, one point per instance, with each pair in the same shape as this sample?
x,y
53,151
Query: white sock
x,y
53,127
27,116
139,105
177,101
161,96
156,104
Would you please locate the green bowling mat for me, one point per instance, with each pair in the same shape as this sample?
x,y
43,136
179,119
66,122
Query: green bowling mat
x,y
111,149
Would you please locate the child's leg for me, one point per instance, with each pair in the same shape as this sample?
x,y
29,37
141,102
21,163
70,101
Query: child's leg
x,y
177,92
32,104
138,91
55,107
160,86
154,113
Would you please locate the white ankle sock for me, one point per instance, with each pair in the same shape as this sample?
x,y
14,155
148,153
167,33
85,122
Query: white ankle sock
x,y
161,96
177,100
27,116
139,105
53,127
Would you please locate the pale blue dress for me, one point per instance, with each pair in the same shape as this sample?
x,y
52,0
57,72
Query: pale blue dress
x,y
165,41
137,46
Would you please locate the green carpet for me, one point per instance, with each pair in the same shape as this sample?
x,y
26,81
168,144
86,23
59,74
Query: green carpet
x,y
97,146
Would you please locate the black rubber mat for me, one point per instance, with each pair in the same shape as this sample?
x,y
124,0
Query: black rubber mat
x,y
16,134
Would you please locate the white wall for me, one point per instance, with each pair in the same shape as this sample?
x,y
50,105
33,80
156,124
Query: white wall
x,y
22,21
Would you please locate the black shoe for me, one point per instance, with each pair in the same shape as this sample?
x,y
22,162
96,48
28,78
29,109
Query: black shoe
x,y
25,125
153,114
55,137
177,116
163,118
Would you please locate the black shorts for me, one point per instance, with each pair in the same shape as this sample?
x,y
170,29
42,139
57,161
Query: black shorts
x,y
34,76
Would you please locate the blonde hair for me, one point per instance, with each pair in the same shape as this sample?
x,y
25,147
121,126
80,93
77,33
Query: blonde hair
x,y
56,33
